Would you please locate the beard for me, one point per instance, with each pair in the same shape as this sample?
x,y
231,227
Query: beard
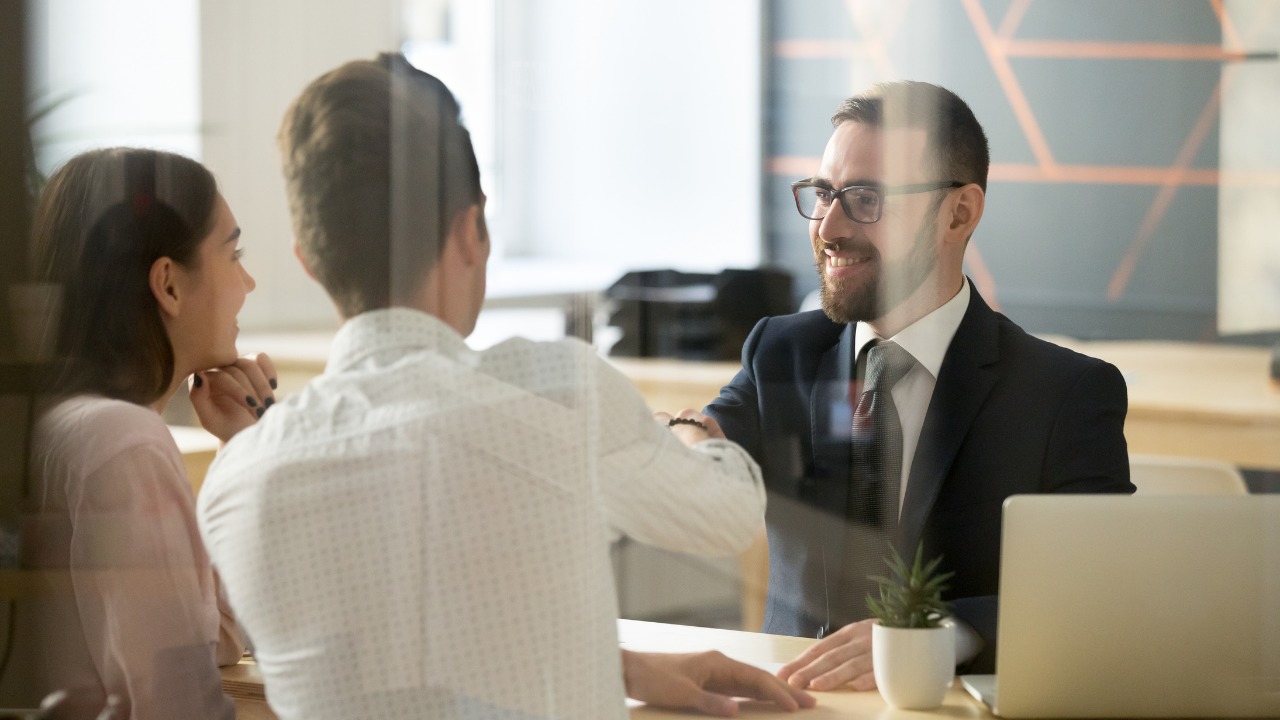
x,y
845,301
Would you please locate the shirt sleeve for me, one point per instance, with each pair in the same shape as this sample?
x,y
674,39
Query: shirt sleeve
x,y
144,587
707,500
231,640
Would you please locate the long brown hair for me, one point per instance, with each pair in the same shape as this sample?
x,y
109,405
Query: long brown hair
x,y
103,219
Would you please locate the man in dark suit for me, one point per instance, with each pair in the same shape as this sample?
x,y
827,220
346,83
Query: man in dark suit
x,y
979,409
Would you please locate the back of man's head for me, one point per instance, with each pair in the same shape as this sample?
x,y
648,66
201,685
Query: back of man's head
x,y
957,144
377,164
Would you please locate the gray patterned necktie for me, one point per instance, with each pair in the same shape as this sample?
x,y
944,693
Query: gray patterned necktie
x,y
875,476
876,467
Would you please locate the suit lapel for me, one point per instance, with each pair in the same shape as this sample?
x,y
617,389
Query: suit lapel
x,y
831,417
964,381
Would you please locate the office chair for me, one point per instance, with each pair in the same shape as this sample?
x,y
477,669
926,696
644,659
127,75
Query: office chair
x,y
1171,475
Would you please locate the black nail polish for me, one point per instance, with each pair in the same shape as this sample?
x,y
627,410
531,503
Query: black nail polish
x,y
198,381
272,383
260,411
249,399
269,401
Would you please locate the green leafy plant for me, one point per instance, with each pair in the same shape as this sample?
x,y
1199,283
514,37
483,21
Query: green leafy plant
x,y
44,107
912,596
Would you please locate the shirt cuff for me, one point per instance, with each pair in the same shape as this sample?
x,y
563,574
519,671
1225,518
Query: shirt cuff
x,y
968,642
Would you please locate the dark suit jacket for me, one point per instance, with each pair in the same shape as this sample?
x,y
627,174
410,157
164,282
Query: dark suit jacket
x,y
1010,414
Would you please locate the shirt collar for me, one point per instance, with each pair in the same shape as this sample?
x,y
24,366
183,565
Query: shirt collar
x,y
928,338
395,328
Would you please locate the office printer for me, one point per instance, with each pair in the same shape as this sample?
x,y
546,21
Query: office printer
x,y
694,316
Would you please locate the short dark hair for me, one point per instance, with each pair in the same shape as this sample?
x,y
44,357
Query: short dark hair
x,y
377,165
956,142
102,221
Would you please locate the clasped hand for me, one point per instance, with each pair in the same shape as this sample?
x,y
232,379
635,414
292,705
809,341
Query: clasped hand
x,y
229,399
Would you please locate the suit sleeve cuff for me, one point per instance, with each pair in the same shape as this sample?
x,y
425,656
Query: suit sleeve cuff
x,y
968,642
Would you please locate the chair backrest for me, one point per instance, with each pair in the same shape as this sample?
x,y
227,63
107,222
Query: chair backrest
x,y
1171,475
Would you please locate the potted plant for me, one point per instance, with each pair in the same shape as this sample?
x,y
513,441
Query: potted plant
x,y
913,646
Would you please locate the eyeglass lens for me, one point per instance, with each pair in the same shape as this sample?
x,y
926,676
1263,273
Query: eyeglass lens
x,y
861,204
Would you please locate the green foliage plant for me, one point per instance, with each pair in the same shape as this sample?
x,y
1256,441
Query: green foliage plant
x,y
44,107
912,596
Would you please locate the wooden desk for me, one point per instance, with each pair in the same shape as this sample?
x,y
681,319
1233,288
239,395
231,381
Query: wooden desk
x,y
1202,400
1198,400
760,649
244,682
198,447
1185,399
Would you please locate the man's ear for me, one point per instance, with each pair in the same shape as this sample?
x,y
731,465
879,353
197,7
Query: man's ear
x,y
966,211
297,252
163,280
467,231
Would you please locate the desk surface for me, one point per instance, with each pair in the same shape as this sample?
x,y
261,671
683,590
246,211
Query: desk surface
x,y
244,682
758,648
1200,400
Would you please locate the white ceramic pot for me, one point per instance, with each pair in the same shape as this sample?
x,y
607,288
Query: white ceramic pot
x,y
914,666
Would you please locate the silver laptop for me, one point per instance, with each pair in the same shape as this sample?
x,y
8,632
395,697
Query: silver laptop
x,y
1132,606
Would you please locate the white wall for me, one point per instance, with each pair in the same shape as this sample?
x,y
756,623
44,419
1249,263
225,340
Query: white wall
x,y
630,131
129,70
1249,212
256,57
612,135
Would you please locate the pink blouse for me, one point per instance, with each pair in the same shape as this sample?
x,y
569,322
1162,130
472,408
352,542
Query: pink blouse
x,y
144,618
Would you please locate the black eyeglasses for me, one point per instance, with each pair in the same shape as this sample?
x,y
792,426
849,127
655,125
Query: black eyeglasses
x,y
862,203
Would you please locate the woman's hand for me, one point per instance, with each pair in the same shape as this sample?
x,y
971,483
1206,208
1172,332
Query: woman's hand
x,y
231,398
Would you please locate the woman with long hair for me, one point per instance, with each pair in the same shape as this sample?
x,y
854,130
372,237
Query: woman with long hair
x,y
146,252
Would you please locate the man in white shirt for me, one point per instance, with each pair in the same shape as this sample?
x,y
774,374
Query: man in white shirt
x,y
424,530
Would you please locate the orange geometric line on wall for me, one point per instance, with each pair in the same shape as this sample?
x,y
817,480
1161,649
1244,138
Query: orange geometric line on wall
x,y
877,39
1230,37
981,274
1009,83
894,22
1012,19
1095,174
1160,206
1118,51
801,166
1164,199
809,49
804,165
1116,175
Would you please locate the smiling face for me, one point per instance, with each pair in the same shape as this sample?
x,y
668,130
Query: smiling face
x,y
212,291
870,270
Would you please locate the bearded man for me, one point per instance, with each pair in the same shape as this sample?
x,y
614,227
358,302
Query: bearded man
x,y
906,410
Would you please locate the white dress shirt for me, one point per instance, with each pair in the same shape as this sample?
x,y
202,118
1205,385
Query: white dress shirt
x,y
424,530
927,339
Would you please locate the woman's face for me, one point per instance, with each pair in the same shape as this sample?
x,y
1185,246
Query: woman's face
x,y
204,335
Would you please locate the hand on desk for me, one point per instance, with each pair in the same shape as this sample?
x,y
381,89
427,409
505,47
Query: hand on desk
x,y
842,657
706,682
229,399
